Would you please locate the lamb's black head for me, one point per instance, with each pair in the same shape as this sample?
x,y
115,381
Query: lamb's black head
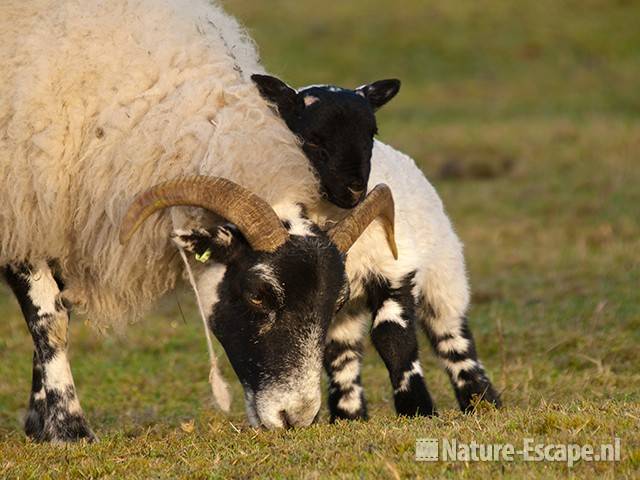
x,y
269,284
336,126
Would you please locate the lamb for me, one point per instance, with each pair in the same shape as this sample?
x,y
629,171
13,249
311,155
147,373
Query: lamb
x,y
103,100
428,282
336,127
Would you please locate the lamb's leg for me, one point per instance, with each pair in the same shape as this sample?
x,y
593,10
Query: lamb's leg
x,y
342,361
453,343
47,319
394,336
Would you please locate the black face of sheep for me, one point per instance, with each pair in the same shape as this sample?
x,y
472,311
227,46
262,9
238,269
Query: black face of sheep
x,y
336,127
270,312
269,294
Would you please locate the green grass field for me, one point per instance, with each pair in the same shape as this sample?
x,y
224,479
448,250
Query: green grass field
x,y
526,118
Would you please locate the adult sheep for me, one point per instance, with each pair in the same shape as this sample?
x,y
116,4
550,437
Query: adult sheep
x,y
102,100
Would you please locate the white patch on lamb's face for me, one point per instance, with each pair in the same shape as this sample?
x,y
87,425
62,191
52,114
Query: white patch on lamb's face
x,y
391,311
208,282
43,289
416,369
297,400
310,100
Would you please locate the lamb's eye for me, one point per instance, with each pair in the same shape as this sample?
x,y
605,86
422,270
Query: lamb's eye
x,y
256,301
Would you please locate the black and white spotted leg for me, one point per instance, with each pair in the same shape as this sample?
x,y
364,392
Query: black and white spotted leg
x,y
47,319
394,336
34,421
453,343
342,362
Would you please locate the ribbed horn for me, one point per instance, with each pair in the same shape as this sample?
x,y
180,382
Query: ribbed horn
x,y
378,204
252,215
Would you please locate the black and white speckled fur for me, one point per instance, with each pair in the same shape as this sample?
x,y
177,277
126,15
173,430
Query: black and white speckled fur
x,y
271,312
396,311
54,413
426,286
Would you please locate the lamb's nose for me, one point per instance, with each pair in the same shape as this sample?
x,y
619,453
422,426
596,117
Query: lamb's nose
x,y
356,189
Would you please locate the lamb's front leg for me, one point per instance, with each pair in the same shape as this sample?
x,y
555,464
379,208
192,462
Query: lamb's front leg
x,y
342,362
394,336
47,319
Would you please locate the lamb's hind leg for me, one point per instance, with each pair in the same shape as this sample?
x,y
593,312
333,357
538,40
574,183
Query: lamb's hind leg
x,y
453,343
394,335
47,319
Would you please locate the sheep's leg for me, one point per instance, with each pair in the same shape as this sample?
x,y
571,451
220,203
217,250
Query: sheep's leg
x,y
47,319
453,343
342,361
34,421
394,336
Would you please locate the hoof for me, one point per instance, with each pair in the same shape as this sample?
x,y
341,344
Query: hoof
x,y
71,428
474,394
34,424
415,400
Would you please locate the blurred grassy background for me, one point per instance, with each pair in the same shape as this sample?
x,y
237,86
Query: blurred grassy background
x,y
525,116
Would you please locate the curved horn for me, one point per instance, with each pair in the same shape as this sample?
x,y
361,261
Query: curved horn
x,y
252,215
378,204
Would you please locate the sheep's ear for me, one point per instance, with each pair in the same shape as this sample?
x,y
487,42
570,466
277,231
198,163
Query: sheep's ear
x,y
218,244
380,92
276,91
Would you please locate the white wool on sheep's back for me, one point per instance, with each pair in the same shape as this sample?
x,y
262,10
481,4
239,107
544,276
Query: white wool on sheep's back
x,y
100,100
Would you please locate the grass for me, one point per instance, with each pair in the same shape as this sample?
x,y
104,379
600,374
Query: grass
x,y
525,116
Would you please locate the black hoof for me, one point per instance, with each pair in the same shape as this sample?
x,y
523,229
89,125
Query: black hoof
x,y
72,428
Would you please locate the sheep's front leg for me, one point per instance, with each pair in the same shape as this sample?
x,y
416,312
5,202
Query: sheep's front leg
x,y
47,319
342,362
394,337
34,421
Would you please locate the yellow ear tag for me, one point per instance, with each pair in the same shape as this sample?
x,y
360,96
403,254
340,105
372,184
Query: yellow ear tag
x,y
204,257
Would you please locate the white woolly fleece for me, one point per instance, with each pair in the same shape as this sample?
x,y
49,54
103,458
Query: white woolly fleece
x,y
100,100
424,235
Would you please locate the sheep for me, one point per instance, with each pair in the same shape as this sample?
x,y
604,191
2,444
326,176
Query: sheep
x,y
103,100
428,282
336,127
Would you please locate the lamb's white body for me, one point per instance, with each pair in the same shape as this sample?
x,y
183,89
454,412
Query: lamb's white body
x,y
426,241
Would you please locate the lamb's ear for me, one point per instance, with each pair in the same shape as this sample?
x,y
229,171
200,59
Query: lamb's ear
x,y
276,91
218,244
380,92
